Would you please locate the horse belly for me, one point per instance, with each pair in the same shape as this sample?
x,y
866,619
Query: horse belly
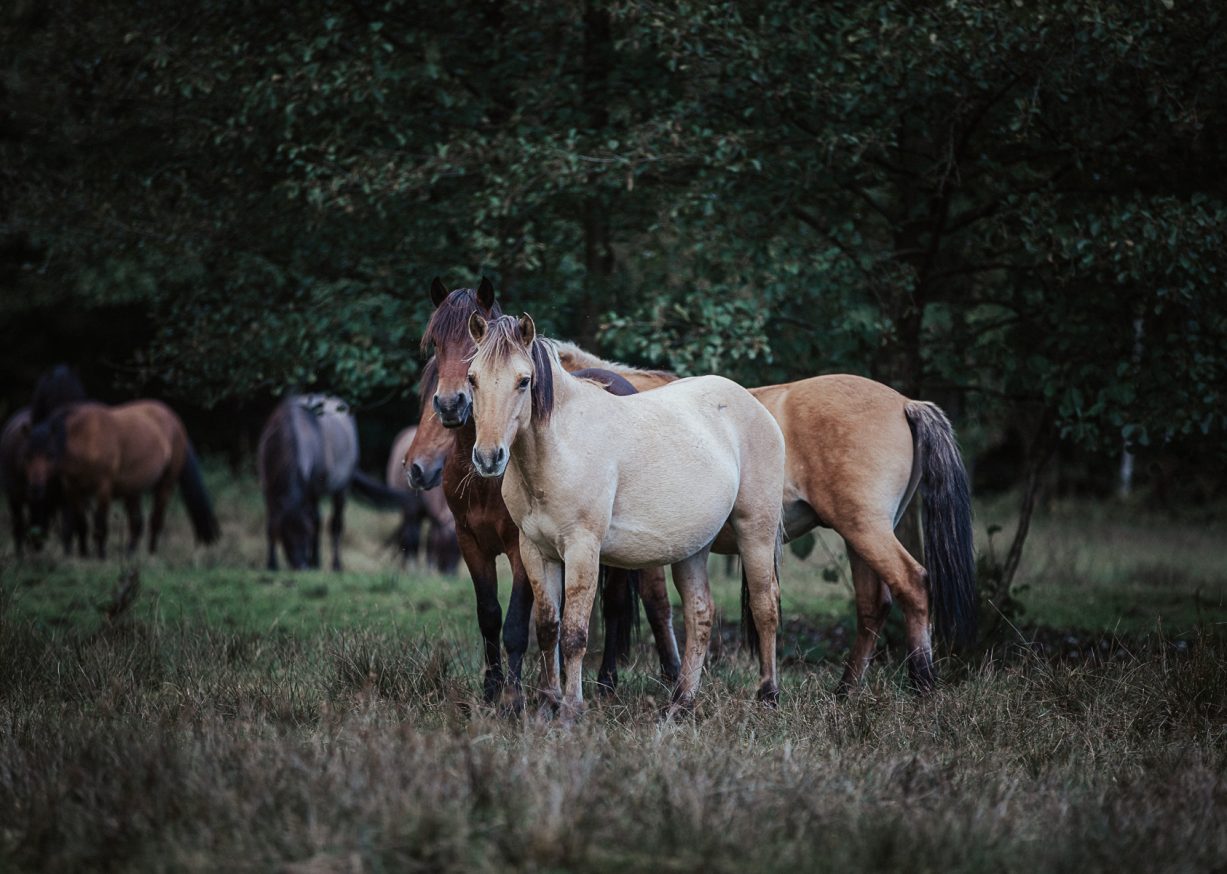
x,y
667,523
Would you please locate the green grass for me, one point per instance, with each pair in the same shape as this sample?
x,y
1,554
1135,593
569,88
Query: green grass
x,y
314,722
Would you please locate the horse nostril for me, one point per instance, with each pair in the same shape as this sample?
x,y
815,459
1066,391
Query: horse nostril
x,y
416,475
498,454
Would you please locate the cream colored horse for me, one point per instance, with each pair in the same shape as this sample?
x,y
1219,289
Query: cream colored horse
x,y
633,482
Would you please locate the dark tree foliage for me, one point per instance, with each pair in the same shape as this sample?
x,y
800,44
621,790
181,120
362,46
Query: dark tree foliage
x,y
1015,209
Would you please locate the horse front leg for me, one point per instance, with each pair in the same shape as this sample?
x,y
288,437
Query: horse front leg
x,y
582,566
335,526
546,579
690,578
616,605
17,515
515,629
489,614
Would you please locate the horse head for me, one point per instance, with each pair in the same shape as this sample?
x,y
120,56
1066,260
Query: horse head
x,y
512,381
447,332
40,464
427,453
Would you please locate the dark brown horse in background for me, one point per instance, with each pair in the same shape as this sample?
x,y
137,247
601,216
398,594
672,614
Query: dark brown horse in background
x,y
99,453
429,507
54,389
442,451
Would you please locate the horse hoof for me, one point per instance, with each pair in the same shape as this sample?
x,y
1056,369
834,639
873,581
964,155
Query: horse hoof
x,y
680,706
492,685
548,705
512,702
769,694
920,672
571,712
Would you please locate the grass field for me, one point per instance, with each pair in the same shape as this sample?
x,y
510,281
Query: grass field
x,y
241,720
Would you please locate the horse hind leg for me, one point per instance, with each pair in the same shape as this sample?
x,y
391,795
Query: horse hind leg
x,y
759,560
690,579
872,607
908,585
157,514
655,596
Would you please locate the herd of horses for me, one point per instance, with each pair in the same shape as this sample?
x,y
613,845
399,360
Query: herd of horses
x,y
588,475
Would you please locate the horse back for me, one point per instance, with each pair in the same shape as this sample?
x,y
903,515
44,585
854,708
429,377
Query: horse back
x,y
149,440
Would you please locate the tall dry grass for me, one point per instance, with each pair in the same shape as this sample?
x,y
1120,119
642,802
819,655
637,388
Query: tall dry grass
x,y
174,747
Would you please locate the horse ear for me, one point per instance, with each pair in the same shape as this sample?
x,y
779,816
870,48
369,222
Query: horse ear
x,y
477,328
438,291
485,294
528,330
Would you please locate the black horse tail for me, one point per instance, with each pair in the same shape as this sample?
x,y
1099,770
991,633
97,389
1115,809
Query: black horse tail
x,y
948,547
379,495
749,631
618,593
199,507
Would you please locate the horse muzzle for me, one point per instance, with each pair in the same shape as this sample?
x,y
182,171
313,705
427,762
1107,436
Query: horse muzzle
x,y
424,477
490,463
454,411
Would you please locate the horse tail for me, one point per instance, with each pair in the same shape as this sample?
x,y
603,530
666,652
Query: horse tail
x,y
626,606
948,547
376,493
749,631
630,628
199,507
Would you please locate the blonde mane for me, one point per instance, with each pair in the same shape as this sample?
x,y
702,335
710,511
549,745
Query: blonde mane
x,y
572,357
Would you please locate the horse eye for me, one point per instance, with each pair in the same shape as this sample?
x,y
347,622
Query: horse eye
x,y
472,381
524,382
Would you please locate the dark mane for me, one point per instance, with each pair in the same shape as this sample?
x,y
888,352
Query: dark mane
x,y
429,382
55,388
502,339
449,322
50,437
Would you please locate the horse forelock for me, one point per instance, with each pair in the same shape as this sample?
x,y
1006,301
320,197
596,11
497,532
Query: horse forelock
x,y
503,339
449,323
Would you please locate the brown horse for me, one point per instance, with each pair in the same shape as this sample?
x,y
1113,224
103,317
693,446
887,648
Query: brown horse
x,y
95,452
442,548
856,451
442,452
55,388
